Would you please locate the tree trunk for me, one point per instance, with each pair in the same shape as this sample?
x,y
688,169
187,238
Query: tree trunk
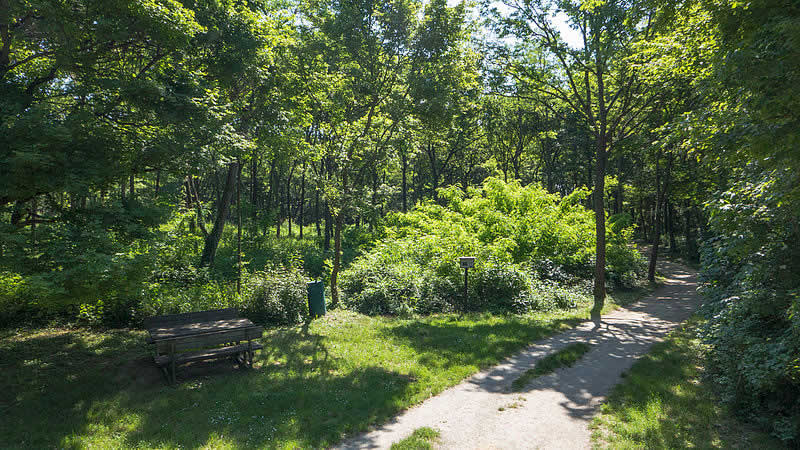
x,y
16,213
34,212
212,240
651,270
193,195
301,215
673,247
404,161
643,219
337,244
188,201
239,228
289,199
317,214
317,210
618,198
326,243
600,228
691,241
254,191
269,204
599,193
434,171
279,204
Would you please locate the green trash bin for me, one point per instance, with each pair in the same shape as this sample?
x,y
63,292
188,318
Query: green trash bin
x,y
316,298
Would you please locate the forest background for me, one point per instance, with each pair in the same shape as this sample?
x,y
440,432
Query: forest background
x,y
162,156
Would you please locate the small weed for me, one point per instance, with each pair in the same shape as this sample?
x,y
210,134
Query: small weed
x,y
420,439
513,405
565,357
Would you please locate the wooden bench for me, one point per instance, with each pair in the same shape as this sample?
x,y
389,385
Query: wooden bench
x,y
204,335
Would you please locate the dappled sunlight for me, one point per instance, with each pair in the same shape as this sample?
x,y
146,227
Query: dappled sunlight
x,y
554,406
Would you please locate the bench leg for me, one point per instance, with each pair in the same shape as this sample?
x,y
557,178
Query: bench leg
x,y
166,374
172,362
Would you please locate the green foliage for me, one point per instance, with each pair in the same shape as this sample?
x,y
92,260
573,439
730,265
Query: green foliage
x,y
663,402
520,235
20,295
276,296
420,439
103,269
501,288
750,267
354,371
565,357
158,298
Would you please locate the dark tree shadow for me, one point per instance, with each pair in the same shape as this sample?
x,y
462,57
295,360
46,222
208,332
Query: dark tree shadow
x,y
58,388
614,345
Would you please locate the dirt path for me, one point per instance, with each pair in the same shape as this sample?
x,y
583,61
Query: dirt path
x,y
554,411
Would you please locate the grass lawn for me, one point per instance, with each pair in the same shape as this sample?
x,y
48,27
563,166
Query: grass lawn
x,y
663,403
566,357
311,385
421,439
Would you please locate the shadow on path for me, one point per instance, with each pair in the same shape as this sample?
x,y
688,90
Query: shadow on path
x,y
553,411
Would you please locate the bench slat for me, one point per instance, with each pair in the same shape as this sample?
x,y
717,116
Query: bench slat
x,y
164,360
171,320
180,338
191,342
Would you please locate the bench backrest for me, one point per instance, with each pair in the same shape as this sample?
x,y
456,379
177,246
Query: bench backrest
x,y
172,320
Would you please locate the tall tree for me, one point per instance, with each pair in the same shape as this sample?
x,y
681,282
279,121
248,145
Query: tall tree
x,y
592,80
365,55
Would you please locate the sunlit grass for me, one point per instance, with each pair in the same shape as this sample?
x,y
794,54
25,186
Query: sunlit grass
x,y
421,439
566,357
663,403
311,386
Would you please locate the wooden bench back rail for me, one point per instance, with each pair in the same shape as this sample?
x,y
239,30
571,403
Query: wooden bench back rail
x,y
172,320
195,341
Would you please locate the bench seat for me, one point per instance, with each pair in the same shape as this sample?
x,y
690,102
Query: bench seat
x,y
197,336
164,360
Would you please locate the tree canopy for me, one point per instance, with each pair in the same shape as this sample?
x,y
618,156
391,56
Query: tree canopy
x,y
150,148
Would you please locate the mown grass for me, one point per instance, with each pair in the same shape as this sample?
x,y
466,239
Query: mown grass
x,y
664,403
311,385
421,439
566,357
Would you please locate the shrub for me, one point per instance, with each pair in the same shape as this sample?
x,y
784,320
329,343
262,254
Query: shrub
x,y
277,296
159,298
376,285
502,288
518,234
751,288
625,265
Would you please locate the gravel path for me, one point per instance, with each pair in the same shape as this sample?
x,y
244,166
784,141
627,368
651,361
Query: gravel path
x,y
553,411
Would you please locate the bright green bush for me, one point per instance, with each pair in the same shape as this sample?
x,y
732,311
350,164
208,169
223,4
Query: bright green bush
x,y
273,296
520,235
625,267
501,288
278,296
159,298
19,296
